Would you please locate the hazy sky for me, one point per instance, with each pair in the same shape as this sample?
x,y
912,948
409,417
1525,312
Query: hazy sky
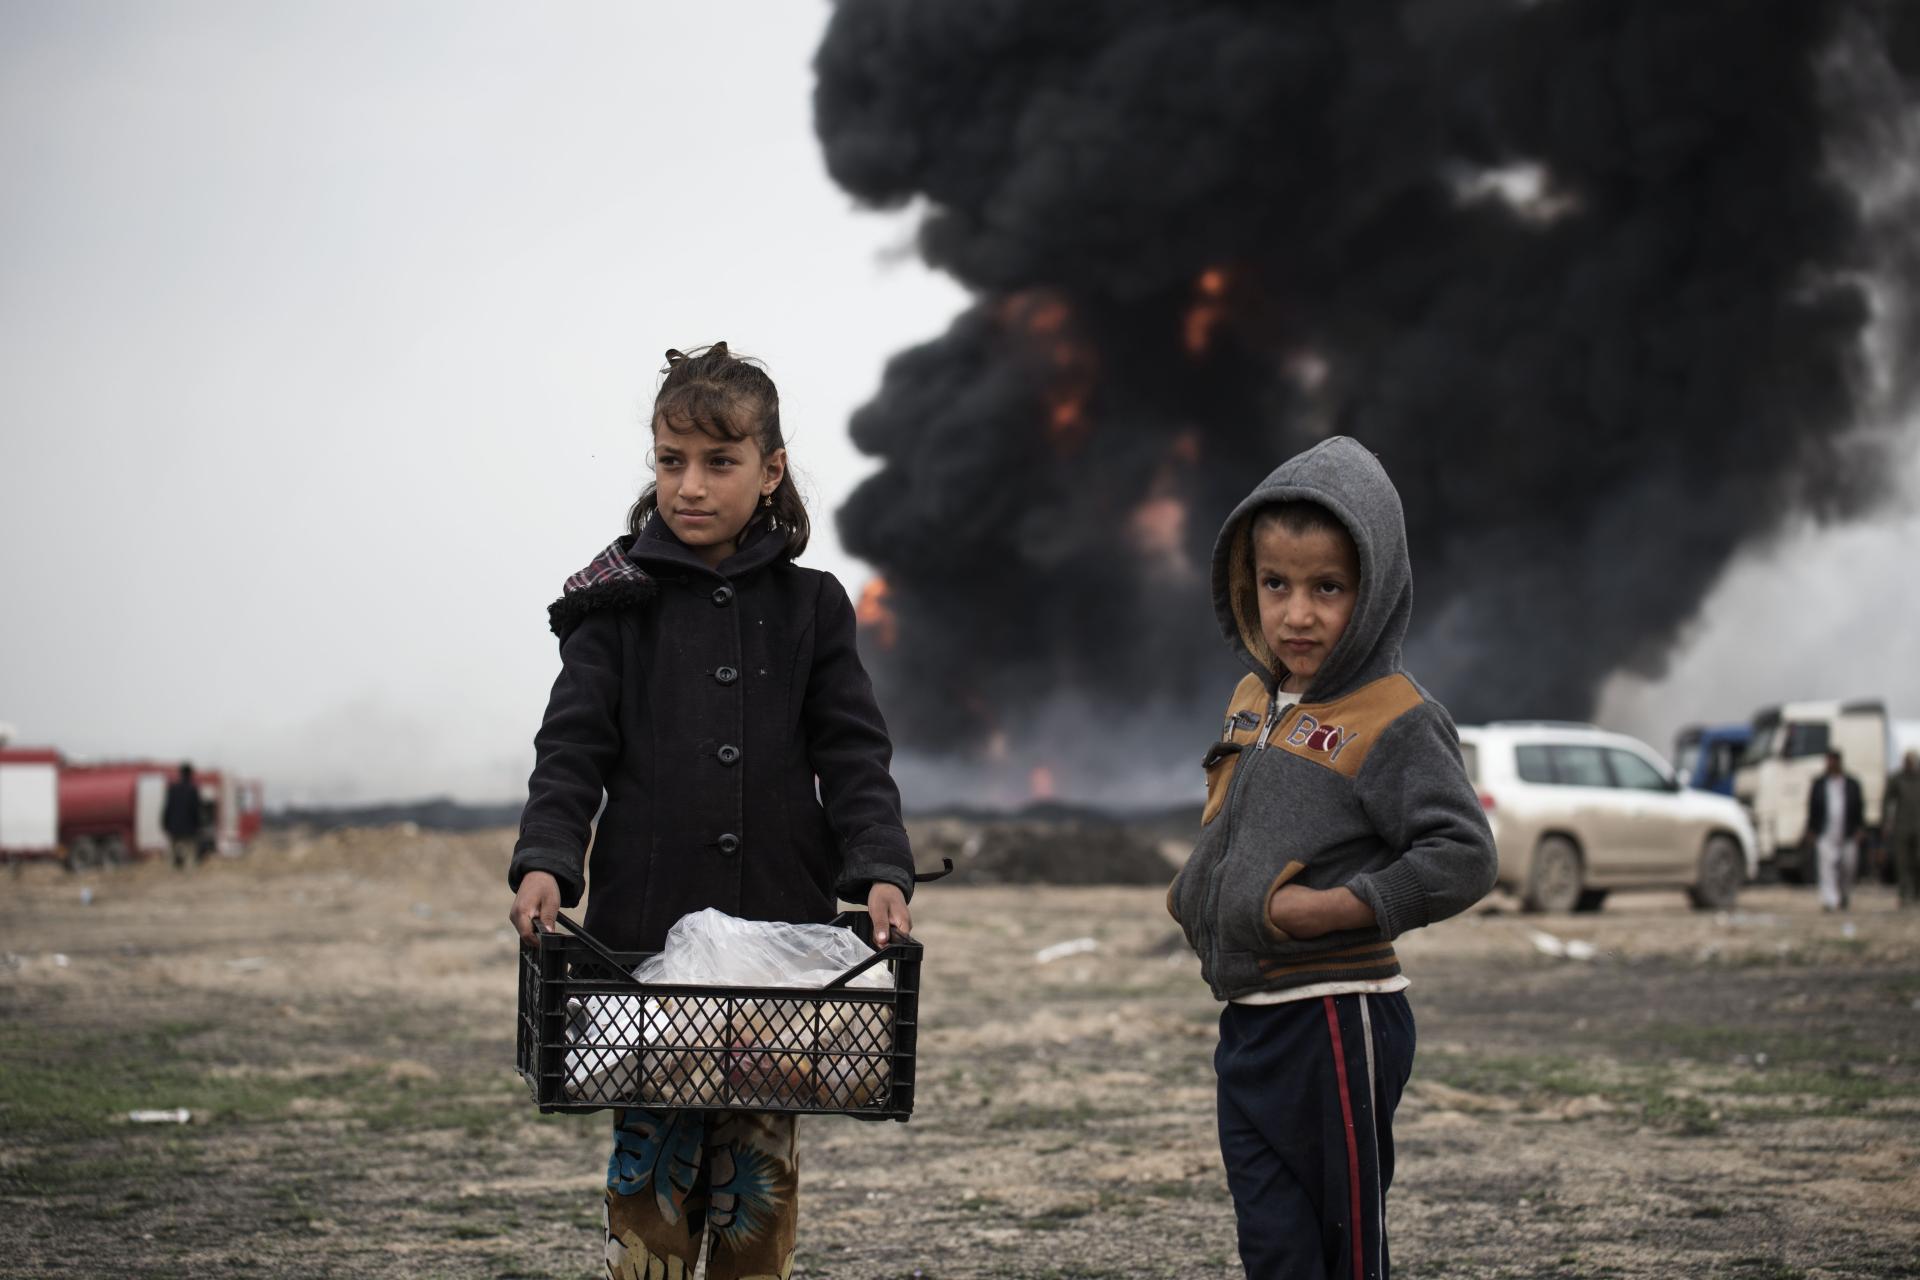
x,y
327,336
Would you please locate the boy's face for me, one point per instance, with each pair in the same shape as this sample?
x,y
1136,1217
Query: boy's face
x,y
1307,585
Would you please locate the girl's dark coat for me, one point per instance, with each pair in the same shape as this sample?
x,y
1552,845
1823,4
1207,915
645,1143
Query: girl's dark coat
x,y
706,703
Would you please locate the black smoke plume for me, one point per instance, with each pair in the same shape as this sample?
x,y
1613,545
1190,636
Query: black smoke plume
x,y
1613,287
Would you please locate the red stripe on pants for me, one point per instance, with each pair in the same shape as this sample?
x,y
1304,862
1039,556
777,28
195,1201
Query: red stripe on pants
x,y
1353,1149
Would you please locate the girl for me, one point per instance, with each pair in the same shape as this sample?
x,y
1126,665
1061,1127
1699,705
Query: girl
x,y
706,682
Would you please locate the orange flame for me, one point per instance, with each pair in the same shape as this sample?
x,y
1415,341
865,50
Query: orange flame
x,y
1039,313
875,613
1046,318
1208,310
1040,782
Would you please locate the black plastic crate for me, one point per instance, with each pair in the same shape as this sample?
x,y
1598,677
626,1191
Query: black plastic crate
x,y
590,1036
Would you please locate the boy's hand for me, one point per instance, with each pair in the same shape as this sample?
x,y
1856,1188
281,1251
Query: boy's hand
x,y
888,907
1300,912
539,896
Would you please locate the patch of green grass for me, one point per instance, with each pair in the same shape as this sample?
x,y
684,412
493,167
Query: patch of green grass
x,y
1754,1268
475,1231
1719,1043
1055,1218
289,1206
1841,1083
977,1203
1507,1076
1077,1116
1658,1097
59,1090
1177,1190
1904,988
1688,1113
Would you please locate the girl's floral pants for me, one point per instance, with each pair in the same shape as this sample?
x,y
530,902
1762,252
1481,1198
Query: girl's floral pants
x,y
675,1175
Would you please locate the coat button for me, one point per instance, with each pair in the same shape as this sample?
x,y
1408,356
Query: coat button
x,y
722,597
726,675
729,754
729,843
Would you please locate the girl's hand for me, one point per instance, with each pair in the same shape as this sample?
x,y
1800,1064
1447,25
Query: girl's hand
x,y
539,896
1300,912
888,907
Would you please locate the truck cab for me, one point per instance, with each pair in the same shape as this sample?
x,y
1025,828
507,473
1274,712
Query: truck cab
x,y
1705,756
1787,751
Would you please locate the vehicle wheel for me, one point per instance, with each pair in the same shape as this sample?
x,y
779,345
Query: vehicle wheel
x,y
1722,872
81,856
1553,883
113,852
1591,900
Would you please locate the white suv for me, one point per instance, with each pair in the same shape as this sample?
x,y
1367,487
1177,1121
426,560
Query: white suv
x,y
1577,811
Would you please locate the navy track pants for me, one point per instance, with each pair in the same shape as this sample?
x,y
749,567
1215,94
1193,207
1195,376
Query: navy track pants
x,y
1307,1091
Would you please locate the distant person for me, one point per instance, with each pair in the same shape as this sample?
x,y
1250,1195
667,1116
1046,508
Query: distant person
x,y
183,817
1836,812
705,681
1339,815
1902,825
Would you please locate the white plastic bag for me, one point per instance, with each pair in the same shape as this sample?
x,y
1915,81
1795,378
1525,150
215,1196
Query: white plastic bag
x,y
686,1053
712,948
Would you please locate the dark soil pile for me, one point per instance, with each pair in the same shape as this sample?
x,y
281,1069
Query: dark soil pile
x,y
1032,849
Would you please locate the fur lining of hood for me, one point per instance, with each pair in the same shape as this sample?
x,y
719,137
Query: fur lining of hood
x,y
611,581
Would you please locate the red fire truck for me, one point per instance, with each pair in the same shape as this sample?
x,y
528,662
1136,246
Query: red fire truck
x,y
103,814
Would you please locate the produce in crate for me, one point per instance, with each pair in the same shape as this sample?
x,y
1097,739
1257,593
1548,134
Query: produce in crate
x,y
854,1067
696,1051
605,1033
683,1065
768,1060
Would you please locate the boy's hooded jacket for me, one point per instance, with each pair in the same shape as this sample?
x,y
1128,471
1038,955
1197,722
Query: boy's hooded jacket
x,y
706,702
1361,784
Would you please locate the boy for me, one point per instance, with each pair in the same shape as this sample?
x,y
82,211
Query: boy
x,y
1338,816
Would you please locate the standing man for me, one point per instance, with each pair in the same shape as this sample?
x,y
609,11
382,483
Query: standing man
x,y
1836,811
1902,825
182,818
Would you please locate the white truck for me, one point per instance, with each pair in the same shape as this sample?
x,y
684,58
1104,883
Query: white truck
x,y
1787,752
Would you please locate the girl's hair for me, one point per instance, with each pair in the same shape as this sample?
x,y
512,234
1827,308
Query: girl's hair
x,y
726,397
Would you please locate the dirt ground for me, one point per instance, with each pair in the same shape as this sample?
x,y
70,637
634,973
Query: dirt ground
x,y
1733,1095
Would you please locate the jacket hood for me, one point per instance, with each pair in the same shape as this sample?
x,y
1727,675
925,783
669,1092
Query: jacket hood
x,y
1349,481
658,549
624,574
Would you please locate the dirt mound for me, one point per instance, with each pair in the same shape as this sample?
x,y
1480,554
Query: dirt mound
x,y
1034,850
402,851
